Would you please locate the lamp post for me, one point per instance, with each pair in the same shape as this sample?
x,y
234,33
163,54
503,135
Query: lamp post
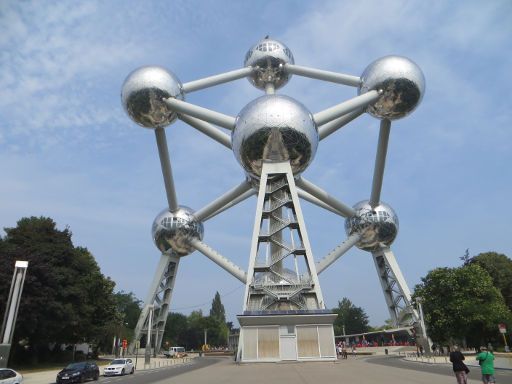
x,y
11,311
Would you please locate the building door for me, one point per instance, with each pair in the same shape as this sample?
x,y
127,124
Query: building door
x,y
287,343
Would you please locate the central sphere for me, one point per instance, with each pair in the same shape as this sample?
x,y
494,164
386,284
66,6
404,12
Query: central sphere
x,y
380,225
173,230
274,128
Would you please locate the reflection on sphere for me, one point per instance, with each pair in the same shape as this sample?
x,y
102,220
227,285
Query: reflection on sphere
x,y
274,128
380,225
143,92
402,83
174,230
268,56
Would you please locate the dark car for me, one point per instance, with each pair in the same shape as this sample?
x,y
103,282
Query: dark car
x,y
78,373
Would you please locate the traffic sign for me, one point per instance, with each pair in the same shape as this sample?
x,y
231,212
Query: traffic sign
x,y
502,327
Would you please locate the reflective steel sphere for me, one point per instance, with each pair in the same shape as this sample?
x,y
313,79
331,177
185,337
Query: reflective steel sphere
x,y
173,230
401,80
268,56
142,94
380,223
274,128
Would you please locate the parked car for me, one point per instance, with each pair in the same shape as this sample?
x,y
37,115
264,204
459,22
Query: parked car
x,y
175,352
119,367
10,376
78,373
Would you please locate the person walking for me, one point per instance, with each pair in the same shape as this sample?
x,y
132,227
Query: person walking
x,y
460,369
486,360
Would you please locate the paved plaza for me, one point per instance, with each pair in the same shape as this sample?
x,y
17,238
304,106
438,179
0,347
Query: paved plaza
x,y
360,369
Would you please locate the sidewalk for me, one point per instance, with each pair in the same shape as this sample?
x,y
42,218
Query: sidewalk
x,y
502,360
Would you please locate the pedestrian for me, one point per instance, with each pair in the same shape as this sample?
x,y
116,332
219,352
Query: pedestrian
x,y
486,360
460,369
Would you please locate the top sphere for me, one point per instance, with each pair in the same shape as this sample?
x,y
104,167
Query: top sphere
x,y
379,225
268,57
402,83
143,92
274,128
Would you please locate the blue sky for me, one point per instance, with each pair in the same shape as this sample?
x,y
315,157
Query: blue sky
x,y
68,151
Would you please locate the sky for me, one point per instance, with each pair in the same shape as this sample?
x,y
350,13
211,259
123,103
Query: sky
x,y
68,150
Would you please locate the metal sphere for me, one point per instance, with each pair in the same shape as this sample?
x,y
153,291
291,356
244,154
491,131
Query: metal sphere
x,y
380,225
274,128
143,92
268,56
173,230
402,83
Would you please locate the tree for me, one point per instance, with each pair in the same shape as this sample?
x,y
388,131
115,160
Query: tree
x,y
353,318
466,258
499,267
129,307
217,311
66,298
462,304
176,331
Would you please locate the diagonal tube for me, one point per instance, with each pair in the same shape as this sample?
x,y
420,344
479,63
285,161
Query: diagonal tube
x,y
221,78
341,109
220,202
323,196
207,129
334,77
380,162
208,115
232,203
337,252
313,200
332,126
220,260
165,163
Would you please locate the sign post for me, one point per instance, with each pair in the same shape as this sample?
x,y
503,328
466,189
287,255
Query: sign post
x,y
503,330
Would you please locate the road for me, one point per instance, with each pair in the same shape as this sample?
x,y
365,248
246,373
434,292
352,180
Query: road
x,y
159,374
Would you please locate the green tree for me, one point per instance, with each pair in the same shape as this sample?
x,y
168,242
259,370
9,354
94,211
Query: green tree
x,y
462,304
353,318
66,298
499,267
129,307
176,331
217,310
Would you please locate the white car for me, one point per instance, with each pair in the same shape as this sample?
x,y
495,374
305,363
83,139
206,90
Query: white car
x,y
10,376
119,367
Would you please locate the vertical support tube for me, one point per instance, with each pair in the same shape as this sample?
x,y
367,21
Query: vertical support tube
x,y
147,354
165,162
380,162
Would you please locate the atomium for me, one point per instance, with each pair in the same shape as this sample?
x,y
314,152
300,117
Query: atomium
x,y
173,231
402,83
142,96
274,128
275,138
268,58
378,225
